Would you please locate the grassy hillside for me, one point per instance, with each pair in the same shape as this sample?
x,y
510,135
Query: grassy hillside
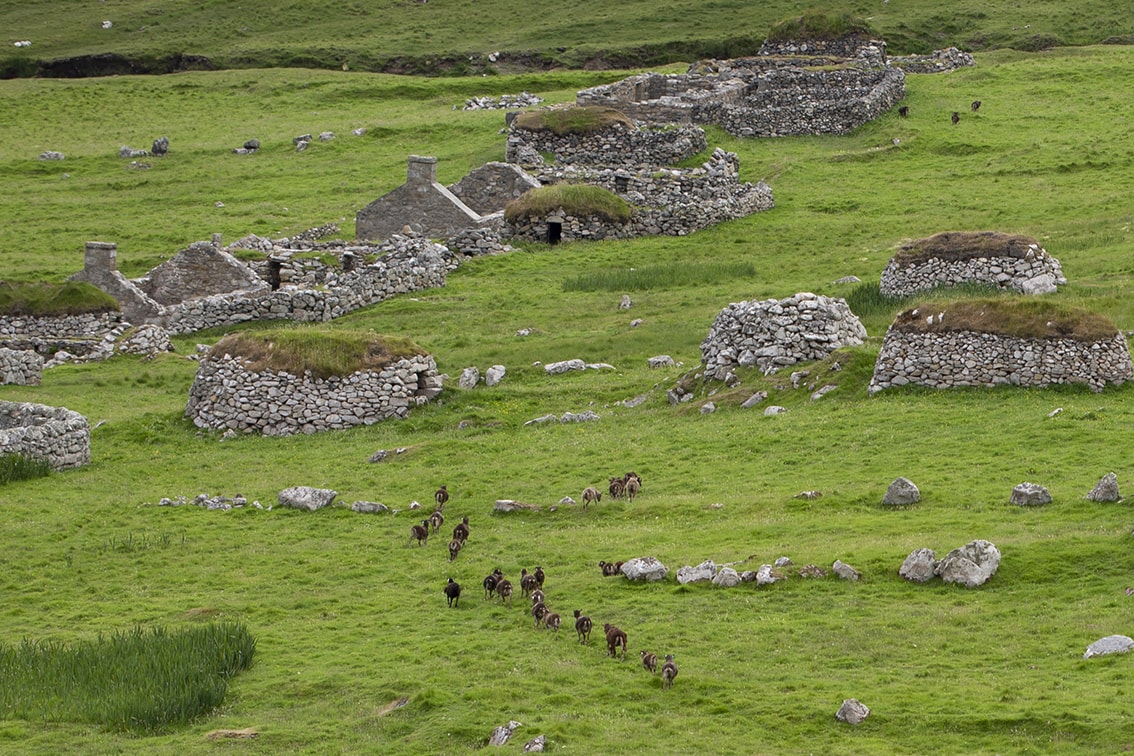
x,y
349,619
457,36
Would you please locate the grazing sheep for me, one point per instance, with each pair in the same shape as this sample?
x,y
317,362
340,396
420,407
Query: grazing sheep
x,y
504,590
649,661
441,496
615,637
539,611
436,520
490,583
617,488
956,118
537,596
461,532
975,106
551,622
453,593
455,548
539,576
904,111
528,583
668,671
632,488
582,626
590,493
419,533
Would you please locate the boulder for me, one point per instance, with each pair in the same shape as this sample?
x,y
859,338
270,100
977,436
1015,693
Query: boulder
x,y
1106,489
852,712
502,733
470,376
727,577
252,144
902,492
1030,495
160,146
305,497
645,569
767,575
845,571
536,744
494,375
702,573
369,507
1111,644
556,368
661,361
755,399
920,566
708,408
971,565
775,409
508,505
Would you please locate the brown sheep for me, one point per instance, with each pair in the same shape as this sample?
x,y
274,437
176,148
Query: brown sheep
x,y
632,488
610,569
420,533
668,671
537,596
956,118
975,106
461,532
441,497
539,576
453,593
528,583
504,590
539,611
616,488
551,622
590,493
436,520
649,661
615,637
455,548
582,626
490,583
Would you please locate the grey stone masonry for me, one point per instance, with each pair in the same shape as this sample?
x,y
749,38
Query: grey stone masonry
x,y
227,396
615,145
1026,268
77,334
772,334
939,61
20,368
970,358
56,434
420,203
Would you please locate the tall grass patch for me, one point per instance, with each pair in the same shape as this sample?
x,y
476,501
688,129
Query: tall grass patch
x,y
135,680
572,120
15,467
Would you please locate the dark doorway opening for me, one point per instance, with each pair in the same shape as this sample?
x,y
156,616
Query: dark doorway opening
x,y
274,273
554,233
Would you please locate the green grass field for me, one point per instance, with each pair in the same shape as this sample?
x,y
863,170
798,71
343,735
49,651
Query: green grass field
x,y
348,619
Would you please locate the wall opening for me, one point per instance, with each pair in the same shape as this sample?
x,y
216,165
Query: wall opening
x,y
274,266
554,232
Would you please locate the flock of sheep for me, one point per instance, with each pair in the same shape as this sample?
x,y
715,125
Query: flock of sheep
x,y
531,583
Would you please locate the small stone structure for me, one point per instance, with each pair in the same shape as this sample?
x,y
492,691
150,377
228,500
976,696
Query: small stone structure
x,y
56,434
615,145
20,368
1006,261
86,334
772,334
420,203
934,356
226,395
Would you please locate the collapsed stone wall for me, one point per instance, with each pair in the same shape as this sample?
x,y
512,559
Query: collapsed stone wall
x,y
77,334
615,145
227,396
1028,269
56,434
772,334
969,358
20,368
666,202
939,61
849,46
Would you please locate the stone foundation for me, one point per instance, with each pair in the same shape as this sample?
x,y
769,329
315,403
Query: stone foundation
x,y
56,434
1026,268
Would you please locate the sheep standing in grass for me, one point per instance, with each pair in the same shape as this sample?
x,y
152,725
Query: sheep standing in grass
x,y
551,622
539,576
610,569
633,485
455,548
490,583
504,590
436,520
616,488
649,661
441,496
615,638
453,592
582,626
591,494
668,671
528,583
537,596
420,533
461,532
539,611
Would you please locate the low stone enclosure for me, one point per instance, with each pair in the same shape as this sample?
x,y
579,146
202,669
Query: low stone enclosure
x,y
55,434
620,143
991,343
1011,262
235,393
773,334
810,91
20,368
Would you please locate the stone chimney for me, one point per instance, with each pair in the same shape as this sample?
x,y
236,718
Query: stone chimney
x,y
421,170
100,257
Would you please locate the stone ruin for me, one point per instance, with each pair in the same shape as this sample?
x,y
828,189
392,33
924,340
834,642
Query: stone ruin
x,y
617,144
790,89
20,367
56,434
1010,262
229,396
771,334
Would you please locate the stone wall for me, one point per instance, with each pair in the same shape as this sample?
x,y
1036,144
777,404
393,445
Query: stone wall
x,y
1026,269
56,434
227,396
490,187
201,269
939,61
420,203
969,358
772,334
20,368
615,145
78,334
850,46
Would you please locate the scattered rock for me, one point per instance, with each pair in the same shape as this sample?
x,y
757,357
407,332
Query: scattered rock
x,y
798,376
307,498
646,569
1055,412
822,392
556,368
775,409
536,744
508,505
126,151
160,146
635,322
852,712
902,492
252,144
808,495
726,577
1106,490
326,136
1030,495
708,408
369,507
783,561
494,375
848,280
920,566
661,361
470,376
755,399
501,734
51,155
1111,644
767,575
702,573
812,571
845,571
971,565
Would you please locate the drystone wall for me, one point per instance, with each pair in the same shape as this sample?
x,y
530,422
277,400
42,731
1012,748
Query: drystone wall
x,y
56,434
772,334
77,334
850,46
939,61
970,358
616,145
1026,269
20,368
227,396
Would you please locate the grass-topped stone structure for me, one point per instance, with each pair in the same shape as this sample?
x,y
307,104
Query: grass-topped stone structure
x,y
284,382
1012,262
47,317
1001,341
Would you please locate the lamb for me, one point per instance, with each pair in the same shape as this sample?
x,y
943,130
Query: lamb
x,y
461,532
551,622
539,611
453,592
420,533
441,496
504,590
956,118
455,548
539,576
668,671
436,520
490,583
528,582
590,493
975,106
617,487
615,637
649,661
904,111
582,626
